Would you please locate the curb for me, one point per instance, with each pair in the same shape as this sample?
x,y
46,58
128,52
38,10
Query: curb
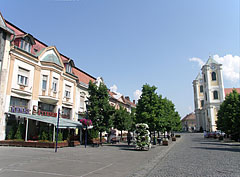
x,y
145,169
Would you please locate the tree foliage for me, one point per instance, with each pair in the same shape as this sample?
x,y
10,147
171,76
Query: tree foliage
x,y
122,120
158,112
146,111
99,109
229,115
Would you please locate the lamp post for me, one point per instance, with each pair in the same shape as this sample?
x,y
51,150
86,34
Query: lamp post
x,y
86,102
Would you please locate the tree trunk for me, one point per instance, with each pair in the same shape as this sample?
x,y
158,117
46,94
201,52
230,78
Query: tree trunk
x,y
154,140
100,137
121,135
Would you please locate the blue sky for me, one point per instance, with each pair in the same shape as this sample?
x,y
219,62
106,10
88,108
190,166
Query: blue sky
x,y
133,42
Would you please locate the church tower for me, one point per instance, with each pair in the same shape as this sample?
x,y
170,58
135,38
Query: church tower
x,y
199,102
213,91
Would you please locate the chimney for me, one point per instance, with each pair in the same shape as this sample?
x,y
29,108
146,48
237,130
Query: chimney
x,y
127,98
133,101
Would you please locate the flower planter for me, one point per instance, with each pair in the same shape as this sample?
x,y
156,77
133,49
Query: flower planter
x,y
173,138
178,136
165,143
29,144
42,144
35,144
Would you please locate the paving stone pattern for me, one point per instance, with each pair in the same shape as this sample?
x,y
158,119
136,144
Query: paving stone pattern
x,y
199,157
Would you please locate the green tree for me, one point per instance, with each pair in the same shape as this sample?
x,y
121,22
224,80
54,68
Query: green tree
x,y
122,120
147,107
229,115
99,109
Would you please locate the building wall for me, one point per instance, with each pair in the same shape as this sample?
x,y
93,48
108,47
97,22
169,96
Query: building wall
x,y
5,62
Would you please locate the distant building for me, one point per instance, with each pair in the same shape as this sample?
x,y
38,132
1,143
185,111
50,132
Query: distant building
x,y
116,100
209,93
189,123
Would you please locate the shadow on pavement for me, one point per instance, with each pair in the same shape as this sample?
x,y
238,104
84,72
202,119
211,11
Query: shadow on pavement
x,y
221,144
219,149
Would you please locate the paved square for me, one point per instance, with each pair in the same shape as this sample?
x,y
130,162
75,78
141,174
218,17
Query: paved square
x,y
109,160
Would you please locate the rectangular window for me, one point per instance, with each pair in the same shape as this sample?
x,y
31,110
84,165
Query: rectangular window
x,y
54,84
66,112
82,102
67,91
44,82
202,103
68,68
18,102
25,46
23,76
201,89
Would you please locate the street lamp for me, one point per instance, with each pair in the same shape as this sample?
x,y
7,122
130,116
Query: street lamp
x,y
86,102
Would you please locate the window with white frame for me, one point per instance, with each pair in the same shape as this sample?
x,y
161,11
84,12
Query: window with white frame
x,y
44,82
82,99
68,68
67,91
23,75
26,44
54,84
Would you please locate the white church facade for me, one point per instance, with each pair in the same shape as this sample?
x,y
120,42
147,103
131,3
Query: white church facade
x,y
208,95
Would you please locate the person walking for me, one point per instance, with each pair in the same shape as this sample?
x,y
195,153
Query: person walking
x,y
129,137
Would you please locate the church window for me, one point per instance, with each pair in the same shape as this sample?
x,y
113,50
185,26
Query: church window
x,y
213,76
201,89
204,77
215,95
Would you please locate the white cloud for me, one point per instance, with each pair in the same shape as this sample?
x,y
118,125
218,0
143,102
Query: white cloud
x,y
113,88
137,94
231,65
198,60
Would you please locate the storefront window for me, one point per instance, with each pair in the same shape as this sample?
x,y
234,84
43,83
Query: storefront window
x,y
66,113
18,102
46,107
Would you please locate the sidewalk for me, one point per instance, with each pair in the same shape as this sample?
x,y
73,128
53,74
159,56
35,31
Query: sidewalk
x,y
109,160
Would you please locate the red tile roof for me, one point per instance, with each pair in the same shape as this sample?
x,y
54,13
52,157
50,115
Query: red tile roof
x,y
190,116
229,90
123,99
82,76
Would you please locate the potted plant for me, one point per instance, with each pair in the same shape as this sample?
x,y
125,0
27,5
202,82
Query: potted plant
x,y
173,138
165,142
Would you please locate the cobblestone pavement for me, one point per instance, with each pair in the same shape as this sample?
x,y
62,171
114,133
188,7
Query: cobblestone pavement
x,y
196,156
107,161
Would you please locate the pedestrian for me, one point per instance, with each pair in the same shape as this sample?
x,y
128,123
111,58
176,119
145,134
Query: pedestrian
x,y
205,134
129,136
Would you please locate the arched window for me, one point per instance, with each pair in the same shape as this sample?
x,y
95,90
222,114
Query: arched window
x,y
213,76
215,95
201,88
